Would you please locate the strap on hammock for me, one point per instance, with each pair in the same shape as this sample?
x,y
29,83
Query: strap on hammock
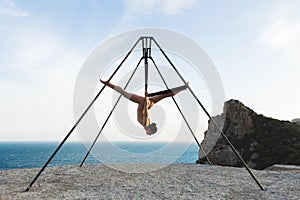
x,y
173,90
146,52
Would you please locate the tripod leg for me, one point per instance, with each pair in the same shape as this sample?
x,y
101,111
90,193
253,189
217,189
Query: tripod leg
x,y
206,112
77,122
200,146
64,140
95,140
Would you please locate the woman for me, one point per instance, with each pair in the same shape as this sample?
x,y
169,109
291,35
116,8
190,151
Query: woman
x,y
142,111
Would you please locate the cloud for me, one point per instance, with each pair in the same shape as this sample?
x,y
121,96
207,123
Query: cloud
x,y
37,92
40,55
282,31
281,35
8,7
164,7
134,10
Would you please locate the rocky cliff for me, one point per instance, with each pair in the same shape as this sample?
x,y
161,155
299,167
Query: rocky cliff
x,y
261,141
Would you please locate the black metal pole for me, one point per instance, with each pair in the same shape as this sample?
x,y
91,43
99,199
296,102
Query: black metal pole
x,y
95,140
188,125
201,105
77,122
145,52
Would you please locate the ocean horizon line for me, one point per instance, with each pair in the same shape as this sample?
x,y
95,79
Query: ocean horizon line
x,y
116,141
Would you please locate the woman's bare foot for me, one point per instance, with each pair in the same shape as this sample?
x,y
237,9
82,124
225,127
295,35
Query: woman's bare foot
x,y
187,85
104,82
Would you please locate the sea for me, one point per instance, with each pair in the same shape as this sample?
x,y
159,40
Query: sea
x,y
15,155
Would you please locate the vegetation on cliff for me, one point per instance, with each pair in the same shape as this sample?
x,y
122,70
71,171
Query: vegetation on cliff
x,y
261,141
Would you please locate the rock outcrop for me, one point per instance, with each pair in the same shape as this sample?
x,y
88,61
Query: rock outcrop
x,y
260,140
296,121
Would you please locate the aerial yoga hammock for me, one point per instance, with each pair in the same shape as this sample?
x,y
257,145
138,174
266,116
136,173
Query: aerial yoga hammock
x,y
145,103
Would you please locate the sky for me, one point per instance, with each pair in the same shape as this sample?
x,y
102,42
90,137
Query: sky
x,y
254,45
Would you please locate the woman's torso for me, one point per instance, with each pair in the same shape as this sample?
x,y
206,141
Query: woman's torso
x,y
141,112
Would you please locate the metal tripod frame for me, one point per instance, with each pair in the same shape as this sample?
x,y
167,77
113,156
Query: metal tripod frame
x,y
146,45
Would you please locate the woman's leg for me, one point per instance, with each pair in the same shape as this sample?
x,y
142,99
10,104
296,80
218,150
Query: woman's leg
x,y
168,93
133,97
